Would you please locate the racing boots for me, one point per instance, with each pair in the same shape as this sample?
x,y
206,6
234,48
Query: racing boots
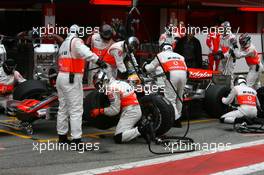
x,y
63,139
146,130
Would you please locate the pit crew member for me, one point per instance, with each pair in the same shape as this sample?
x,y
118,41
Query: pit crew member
x,y
100,43
227,60
246,98
123,100
176,71
120,51
249,52
8,78
71,62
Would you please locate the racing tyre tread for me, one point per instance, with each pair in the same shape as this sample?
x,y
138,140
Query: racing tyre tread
x,y
155,105
29,89
213,100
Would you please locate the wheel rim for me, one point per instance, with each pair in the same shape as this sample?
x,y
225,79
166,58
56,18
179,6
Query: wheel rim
x,y
152,112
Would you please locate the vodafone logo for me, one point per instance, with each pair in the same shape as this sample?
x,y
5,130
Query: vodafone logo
x,y
175,63
249,98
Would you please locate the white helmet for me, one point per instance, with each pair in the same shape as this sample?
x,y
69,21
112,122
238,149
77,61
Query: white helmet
x,y
166,46
99,79
245,40
132,44
74,29
239,80
226,24
227,28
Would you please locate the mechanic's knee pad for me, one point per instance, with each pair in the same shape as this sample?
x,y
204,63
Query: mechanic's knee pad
x,y
118,138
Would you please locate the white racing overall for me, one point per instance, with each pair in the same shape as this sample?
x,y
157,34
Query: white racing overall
x,y
246,98
100,48
123,98
254,64
72,56
173,64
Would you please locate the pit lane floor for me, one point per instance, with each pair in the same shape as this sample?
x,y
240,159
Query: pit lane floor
x,y
18,156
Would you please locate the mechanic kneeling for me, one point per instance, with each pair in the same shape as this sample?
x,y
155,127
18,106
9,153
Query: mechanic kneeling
x,y
122,99
246,99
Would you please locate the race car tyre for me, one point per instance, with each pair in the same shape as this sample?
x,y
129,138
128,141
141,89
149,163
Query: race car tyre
x,y
30,89
213,100
154,106
93,100
160,110
260,94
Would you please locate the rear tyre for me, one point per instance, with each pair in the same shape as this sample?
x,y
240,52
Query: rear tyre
x,y
260,94
213,100
93,100
160,110
34,89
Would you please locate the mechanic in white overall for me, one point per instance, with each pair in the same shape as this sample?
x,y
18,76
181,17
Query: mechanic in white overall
x,y
100,43
249,52
122,100
120,51
227,64
71,62
245,97
175,70
8,78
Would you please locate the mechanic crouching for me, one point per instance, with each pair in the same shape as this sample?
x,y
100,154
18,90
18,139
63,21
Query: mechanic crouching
x,y
122,99
246,98
72,56
176,72
8,78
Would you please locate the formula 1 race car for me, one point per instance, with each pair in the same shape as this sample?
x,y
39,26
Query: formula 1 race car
x,y
33,100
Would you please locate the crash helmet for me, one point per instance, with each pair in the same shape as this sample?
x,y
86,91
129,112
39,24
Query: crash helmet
x,y
74,29
9,66
244,40
100,79
239,80
225,25
165,46
106,32
132,43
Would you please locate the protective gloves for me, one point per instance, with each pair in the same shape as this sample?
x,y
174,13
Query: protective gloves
x,y
96,112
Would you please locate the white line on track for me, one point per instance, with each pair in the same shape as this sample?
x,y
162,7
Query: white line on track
x,y
243,170
162,160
